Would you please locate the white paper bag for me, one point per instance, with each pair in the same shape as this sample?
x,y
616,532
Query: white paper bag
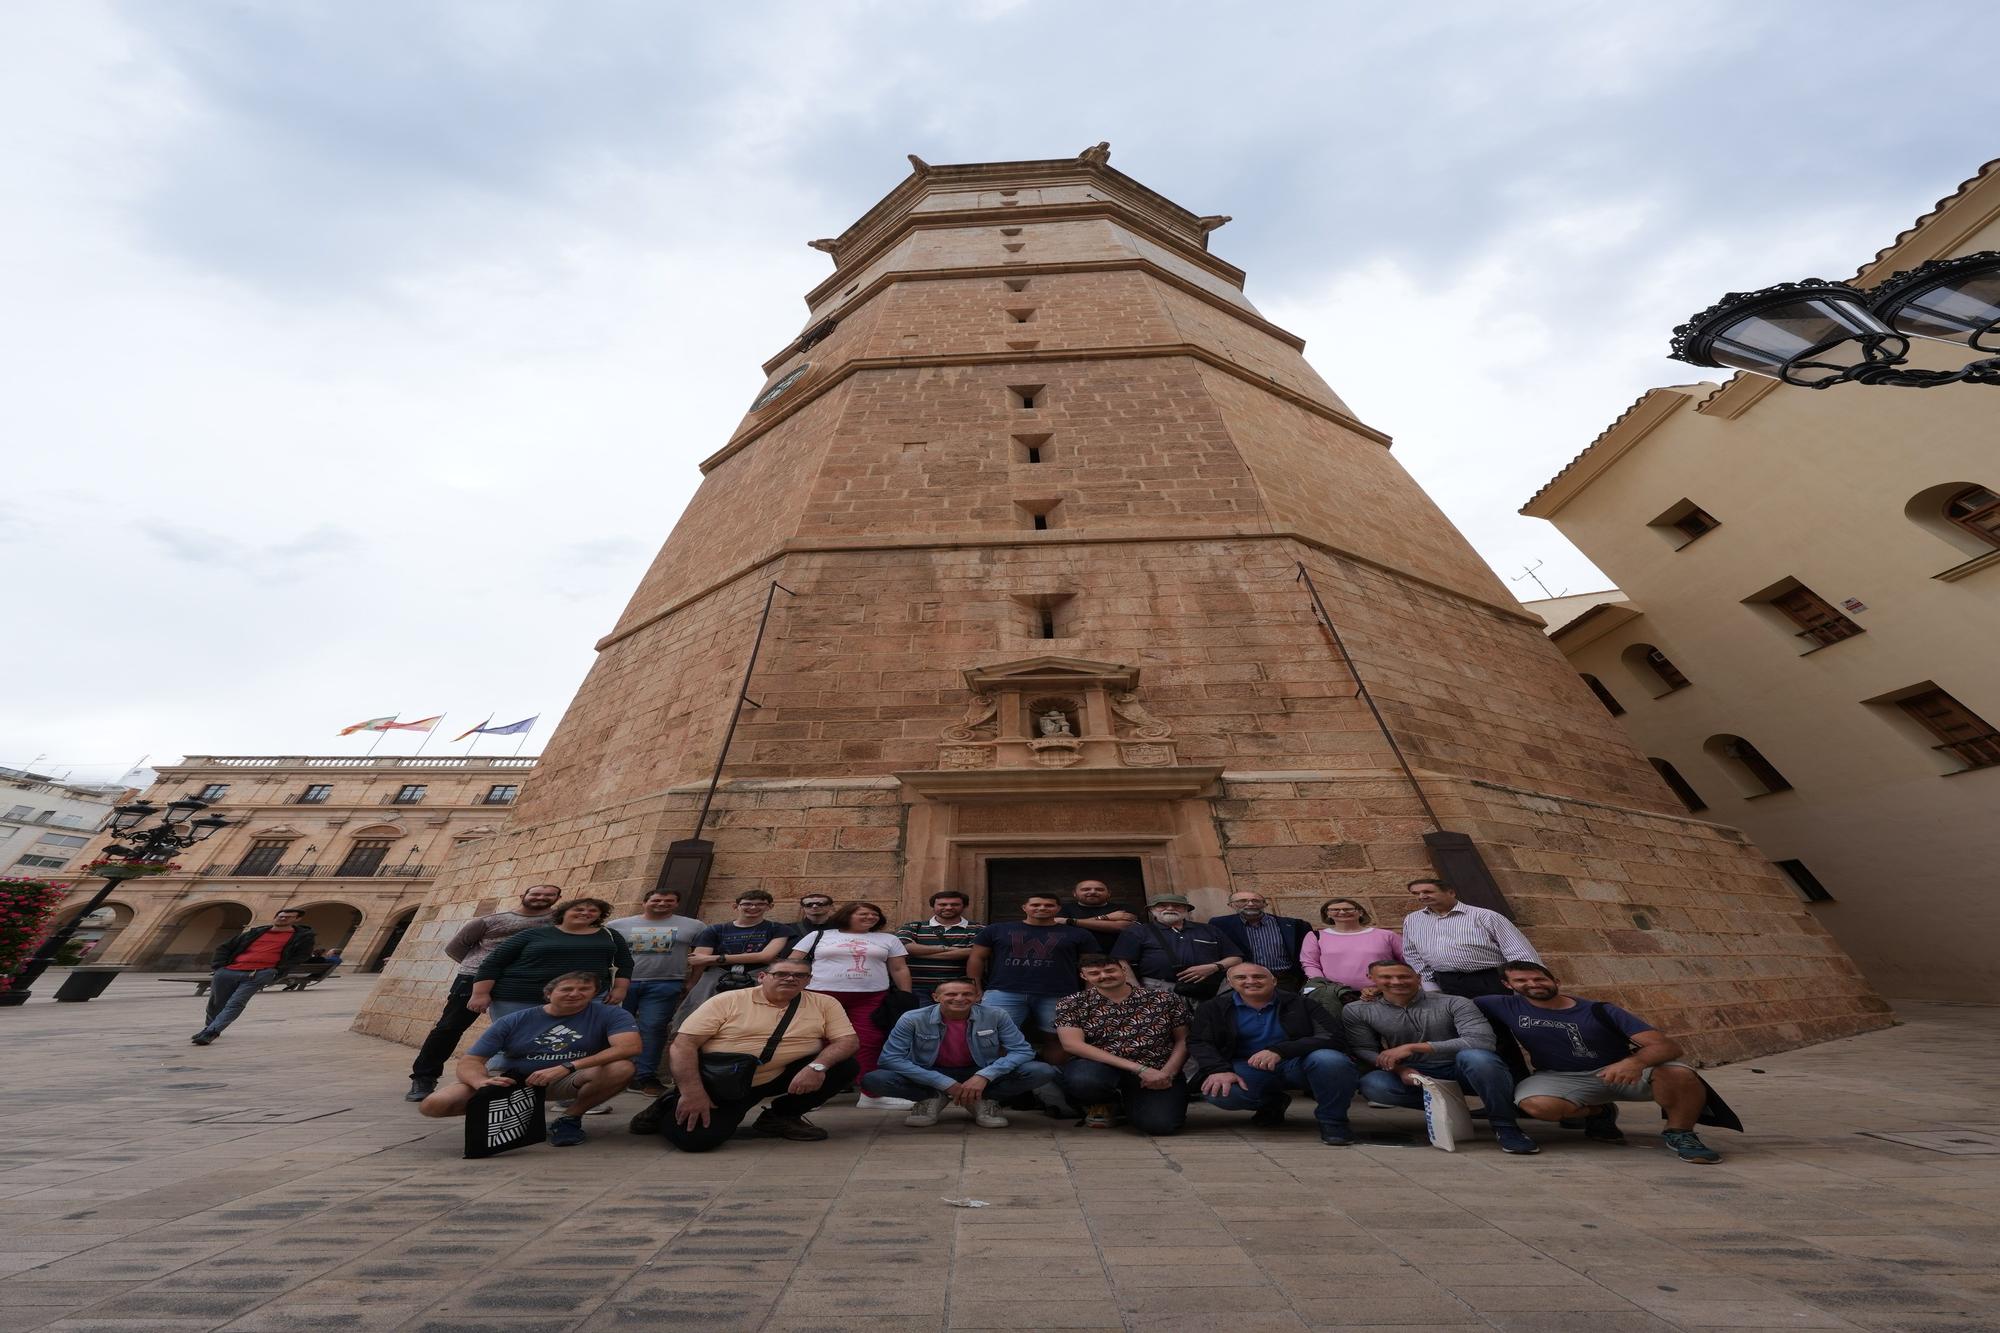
x,y
1446,1117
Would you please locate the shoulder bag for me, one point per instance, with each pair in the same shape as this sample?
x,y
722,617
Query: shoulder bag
x,y
730,1076
1194,992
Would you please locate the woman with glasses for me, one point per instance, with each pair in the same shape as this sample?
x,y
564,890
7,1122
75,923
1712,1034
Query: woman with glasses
x,y
1340,952
855,959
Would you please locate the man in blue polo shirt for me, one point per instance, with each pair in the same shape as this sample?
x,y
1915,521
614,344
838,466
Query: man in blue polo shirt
x,y
1249,1044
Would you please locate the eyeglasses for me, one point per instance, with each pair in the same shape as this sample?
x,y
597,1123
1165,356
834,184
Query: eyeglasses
x,y
827,904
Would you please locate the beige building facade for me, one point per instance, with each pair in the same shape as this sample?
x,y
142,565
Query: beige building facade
x,y
1040,486
354,842
47,824
1805,636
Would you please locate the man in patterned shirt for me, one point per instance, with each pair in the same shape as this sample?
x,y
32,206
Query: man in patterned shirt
x,y
940,946
1125,1043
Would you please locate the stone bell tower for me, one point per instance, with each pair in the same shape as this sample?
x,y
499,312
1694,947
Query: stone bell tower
x,y
1039,485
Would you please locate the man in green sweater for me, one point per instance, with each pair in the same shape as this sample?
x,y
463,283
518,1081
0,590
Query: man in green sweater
x,y
513,975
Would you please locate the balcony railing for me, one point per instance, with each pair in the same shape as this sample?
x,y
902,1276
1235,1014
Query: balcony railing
x,y
1975,751
331,870
194,763
1830,632
496,800
301,798
397,798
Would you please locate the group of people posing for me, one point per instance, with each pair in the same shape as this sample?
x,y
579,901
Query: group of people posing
x,y
1136,1015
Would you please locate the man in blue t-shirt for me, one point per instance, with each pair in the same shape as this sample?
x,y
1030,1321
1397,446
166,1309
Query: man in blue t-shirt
x,y
1027,966
577,1050
738,947
1588,1055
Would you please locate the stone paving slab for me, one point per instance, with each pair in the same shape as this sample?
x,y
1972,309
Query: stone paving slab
x,y
276,1181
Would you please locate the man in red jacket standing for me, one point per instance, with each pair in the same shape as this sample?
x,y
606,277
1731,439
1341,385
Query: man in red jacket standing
x,y
247,963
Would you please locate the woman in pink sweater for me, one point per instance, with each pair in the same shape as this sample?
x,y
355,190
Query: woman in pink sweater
x,y
1342,952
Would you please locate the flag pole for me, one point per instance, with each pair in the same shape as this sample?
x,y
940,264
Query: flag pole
x,y
427,736
519,746
380,732
475,735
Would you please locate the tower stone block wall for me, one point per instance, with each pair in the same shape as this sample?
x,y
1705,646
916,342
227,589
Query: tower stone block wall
x,y
1040,483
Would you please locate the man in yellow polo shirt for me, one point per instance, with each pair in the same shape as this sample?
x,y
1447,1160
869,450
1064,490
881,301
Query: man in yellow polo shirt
x,y
812,1060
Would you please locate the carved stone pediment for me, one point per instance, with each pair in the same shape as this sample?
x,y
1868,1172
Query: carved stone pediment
x,y
1054,711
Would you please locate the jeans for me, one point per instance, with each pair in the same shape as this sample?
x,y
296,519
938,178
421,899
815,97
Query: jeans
x,y
1155,1111
1018,1005
229,993
499,1009
1481,1073
652,1005
1329,1075
1471,985
444,1035
1032,1075
726,1116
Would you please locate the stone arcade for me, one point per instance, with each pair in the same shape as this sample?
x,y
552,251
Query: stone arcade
x,y
1041,481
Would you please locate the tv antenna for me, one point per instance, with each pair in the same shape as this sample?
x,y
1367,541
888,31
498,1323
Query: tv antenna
x,y
1528,572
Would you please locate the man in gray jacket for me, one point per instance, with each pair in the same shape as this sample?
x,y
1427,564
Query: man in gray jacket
x,y
468,948
956,1050
1411,1031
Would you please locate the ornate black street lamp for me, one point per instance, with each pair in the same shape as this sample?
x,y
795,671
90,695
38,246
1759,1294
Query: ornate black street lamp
x,y
139,852
1816,334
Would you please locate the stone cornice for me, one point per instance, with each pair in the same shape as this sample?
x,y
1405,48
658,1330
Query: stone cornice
x,y
1011,784
813,390
1128,263
1065,537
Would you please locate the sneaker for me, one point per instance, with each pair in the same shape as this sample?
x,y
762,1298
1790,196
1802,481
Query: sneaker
x,y
420,1088
567,1109
987,1115
796,1128
649,1087
1687,1145
1336,1136
565,1132
201,1039
867,1103
1602,1126
1271,1115
1511,1139
1098,1116
925,1113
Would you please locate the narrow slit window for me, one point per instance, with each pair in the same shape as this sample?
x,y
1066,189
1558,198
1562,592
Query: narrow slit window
x,y
1022,315
1026,397
1805,881
1016,284
1048,619
1013,247
1760,770
1679,785
1029,448
1010,231
1604,696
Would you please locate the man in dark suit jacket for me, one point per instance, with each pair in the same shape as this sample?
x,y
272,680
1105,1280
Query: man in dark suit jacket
x,y
1259,937
1253,1041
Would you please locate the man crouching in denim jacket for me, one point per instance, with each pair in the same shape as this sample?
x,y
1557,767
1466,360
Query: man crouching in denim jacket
x,y
956,1050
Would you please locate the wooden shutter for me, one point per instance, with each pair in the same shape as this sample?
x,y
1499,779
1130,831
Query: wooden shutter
x,y
1962,731
1816,618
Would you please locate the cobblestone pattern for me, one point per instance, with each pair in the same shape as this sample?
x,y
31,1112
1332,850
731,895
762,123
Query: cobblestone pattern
x,y
275,1183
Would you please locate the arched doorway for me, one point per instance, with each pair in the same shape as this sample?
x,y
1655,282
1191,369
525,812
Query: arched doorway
x,y
398,927
99,930
333,924
186,943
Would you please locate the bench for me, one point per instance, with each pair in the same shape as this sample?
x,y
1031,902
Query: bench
x,y
200,984
308,974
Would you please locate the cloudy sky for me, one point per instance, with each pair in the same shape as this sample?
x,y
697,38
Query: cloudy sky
x,y
359,354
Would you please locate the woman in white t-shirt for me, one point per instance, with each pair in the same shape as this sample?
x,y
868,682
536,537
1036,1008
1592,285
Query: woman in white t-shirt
x,y
855,960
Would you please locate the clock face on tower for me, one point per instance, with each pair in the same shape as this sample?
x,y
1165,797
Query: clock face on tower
x,y
772,394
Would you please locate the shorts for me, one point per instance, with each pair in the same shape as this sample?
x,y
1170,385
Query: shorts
x,y
1587,1089
564,1089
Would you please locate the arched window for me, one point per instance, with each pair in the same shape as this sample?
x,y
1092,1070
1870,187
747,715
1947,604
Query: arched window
x,y
1977,510
1604,696
1649,662
1680,785
1755,774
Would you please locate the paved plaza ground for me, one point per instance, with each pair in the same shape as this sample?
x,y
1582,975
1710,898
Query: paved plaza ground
x,y
277,1181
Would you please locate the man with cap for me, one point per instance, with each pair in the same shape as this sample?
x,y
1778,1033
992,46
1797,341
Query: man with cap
x,y
1171,952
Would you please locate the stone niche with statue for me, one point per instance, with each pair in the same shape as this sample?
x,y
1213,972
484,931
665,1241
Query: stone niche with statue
x,y
1055,712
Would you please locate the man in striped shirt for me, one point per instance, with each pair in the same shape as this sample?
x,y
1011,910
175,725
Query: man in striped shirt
x,y
940,946
1457,948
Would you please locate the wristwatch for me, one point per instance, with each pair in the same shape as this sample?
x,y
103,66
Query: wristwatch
x,y
816,1065
567,1065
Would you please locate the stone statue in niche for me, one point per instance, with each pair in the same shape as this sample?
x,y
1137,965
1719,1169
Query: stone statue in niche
x,y
1052,724
979,714
1126,705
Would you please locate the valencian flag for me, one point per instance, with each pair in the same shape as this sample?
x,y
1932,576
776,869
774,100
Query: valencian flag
x,y
391,724
520,728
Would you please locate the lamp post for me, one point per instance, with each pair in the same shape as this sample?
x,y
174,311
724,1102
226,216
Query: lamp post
x,y
139,852
1816,334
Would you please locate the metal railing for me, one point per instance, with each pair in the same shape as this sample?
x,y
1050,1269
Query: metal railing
x,y
1831,632
197,762
1975,751
332,870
